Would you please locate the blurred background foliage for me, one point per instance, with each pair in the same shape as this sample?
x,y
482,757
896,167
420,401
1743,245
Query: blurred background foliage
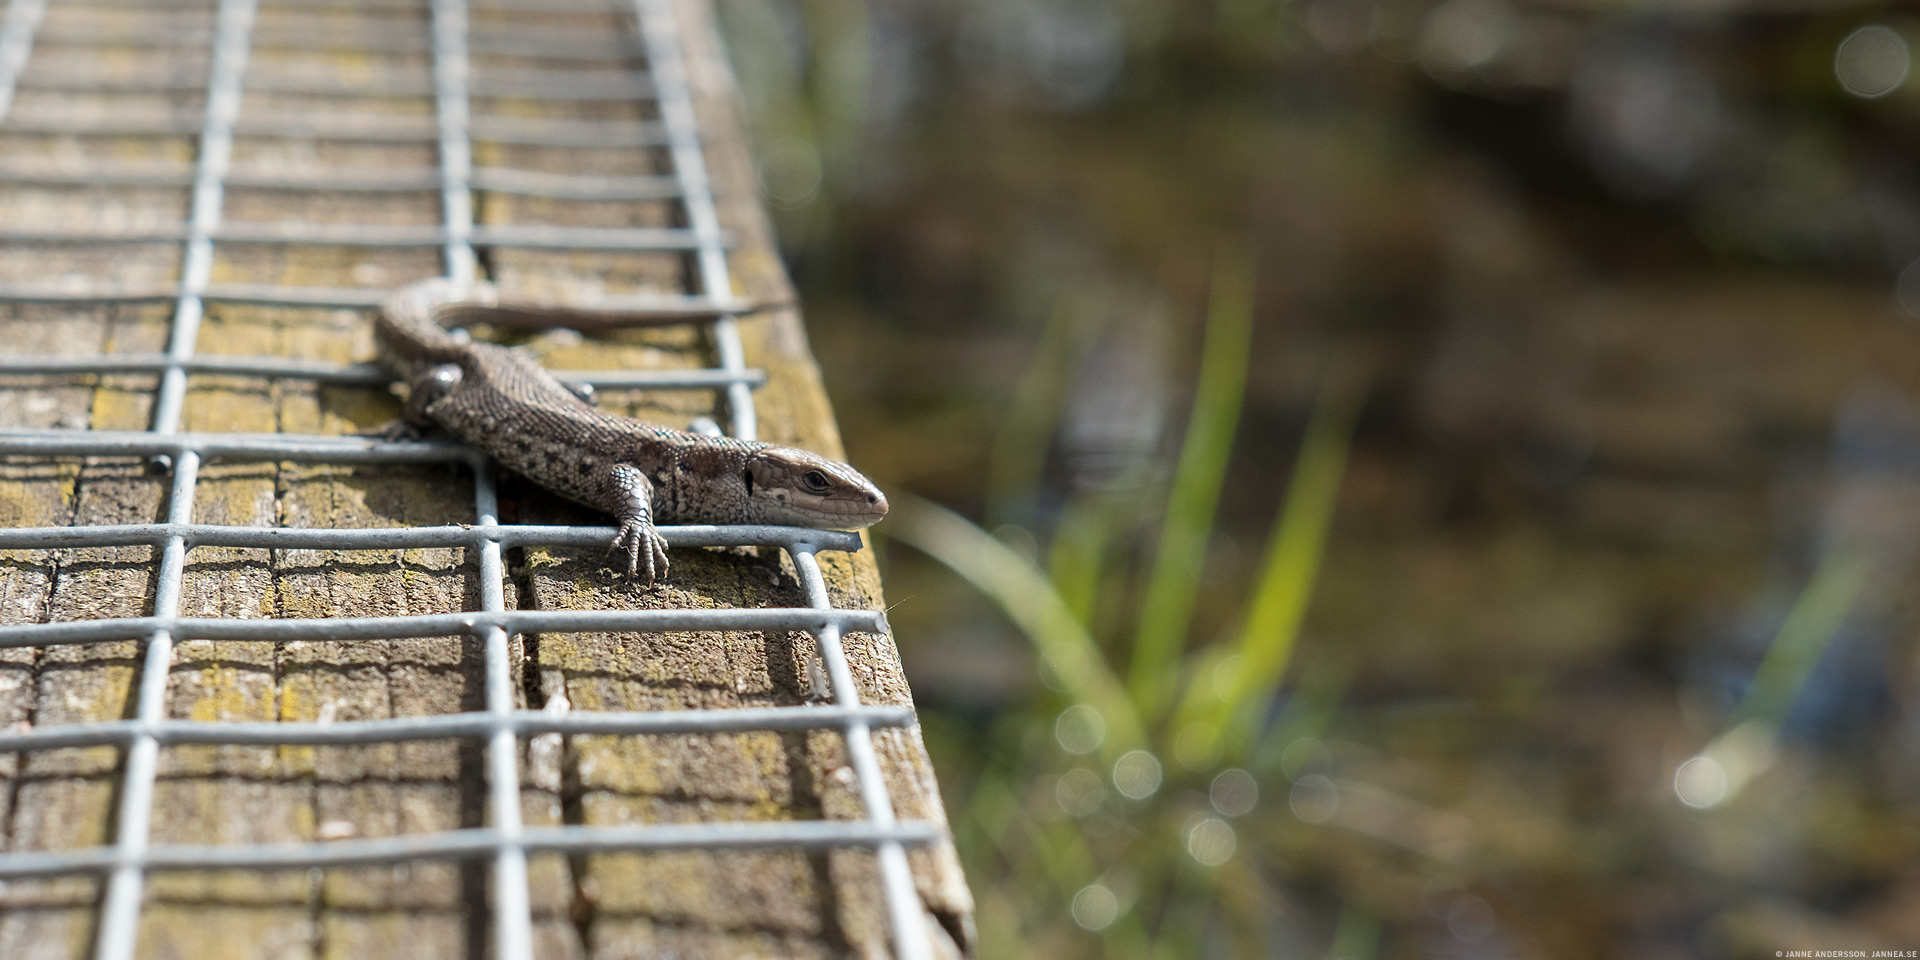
x,y
1383,479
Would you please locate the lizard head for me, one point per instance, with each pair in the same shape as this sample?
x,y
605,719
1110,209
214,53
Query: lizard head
x,y
789,486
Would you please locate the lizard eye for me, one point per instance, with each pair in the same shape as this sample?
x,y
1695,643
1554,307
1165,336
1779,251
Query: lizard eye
x,y
814,481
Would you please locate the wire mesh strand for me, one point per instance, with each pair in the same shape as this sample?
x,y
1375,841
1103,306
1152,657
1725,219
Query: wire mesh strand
x,y
506,842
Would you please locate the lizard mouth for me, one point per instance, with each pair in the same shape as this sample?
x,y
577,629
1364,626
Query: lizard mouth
x,y
835,513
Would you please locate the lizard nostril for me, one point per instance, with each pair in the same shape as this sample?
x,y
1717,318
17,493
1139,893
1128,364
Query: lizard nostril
x,y
872,499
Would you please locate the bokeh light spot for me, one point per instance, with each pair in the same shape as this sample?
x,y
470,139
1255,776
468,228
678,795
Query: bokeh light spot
x,y
1234,793
1211,842
1314,798
1700,782
1080,729
1136,774
1464,34
1079,792
1872,61
790,172
1907,289
1095,907
1341,26
1303,756
1470,920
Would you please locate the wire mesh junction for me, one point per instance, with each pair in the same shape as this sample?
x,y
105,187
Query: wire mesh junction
x,y
447,39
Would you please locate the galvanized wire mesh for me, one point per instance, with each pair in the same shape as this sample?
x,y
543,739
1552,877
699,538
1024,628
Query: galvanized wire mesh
x,y
658,75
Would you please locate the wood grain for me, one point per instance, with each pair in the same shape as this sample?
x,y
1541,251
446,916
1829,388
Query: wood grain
x,y
771,903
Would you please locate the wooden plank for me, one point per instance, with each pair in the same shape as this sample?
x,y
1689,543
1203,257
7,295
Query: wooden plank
x,y
208,794
762,904
779,340
62,799
772,903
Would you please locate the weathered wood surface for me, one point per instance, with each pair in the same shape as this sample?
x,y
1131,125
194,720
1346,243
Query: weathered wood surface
x,y
772,904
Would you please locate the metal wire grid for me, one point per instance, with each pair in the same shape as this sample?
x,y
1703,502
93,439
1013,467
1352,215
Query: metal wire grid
x,y
506,842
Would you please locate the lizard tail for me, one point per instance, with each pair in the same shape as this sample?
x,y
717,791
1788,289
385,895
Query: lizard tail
x,y
617,314
413,322
412,325
425,310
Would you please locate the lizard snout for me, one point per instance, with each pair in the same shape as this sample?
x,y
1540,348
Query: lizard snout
x,y
792,486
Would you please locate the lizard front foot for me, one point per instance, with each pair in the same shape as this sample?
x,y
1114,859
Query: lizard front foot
x,y
646,549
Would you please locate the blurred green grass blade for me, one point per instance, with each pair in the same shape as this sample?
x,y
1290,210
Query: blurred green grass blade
x,y
1292,565
1356,935
1053,857
1087,555
1020,589
1310,709
1018,457
840,34
1811,624
1747,747
1167,611
1187,907
992,811
1077,559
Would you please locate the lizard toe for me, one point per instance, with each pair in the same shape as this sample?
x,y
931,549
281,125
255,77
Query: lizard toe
x,y
632,538
657,548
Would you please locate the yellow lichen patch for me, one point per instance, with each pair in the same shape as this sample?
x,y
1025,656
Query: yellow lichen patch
x,y
183,929
119,409
768,754
37,495
299,601
105,700
303,822
415,579
354,410
203,810
628,764
297,705
224,694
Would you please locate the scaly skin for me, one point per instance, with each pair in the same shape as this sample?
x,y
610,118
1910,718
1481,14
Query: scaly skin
x,y
512,408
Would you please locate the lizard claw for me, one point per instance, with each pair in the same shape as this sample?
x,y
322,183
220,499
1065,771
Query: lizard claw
x,y
646,549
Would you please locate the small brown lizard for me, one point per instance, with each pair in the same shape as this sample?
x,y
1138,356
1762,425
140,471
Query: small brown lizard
x,y
509,406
